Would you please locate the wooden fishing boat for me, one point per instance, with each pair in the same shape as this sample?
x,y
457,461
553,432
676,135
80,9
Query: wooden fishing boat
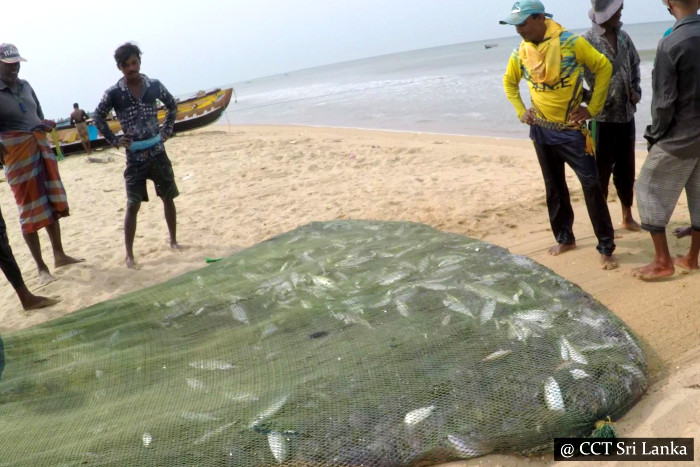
x,y
194,112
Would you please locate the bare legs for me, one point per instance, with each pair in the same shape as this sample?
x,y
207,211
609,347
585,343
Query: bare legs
x,y
171,220
132,210
628,221
690,261
59,256
87,147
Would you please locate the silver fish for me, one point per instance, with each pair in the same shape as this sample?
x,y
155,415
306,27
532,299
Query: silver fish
x,y
402,308
487,311
496,354
278,445
466,449
195,384
270,411
569,352
552,395
211,365
488,293
455,305
67,335
527,289
390,278
416,416
239,313
577,373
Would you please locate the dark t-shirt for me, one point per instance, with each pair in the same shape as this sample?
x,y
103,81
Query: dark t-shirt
x,y
20,111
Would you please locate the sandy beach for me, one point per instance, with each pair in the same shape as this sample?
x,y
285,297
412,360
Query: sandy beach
x,y
242,185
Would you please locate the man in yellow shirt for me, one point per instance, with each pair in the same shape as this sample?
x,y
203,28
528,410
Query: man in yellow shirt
x,y
551,60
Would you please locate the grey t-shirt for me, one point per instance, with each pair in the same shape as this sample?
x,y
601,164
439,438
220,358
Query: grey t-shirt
x,y
675,103
20,111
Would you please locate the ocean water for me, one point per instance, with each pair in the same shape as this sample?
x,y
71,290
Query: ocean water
x,y
454,89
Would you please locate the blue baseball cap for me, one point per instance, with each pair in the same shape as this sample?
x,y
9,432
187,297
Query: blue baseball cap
x,y
521,10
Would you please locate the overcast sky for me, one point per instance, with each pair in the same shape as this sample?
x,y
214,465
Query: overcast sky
x,y
202,44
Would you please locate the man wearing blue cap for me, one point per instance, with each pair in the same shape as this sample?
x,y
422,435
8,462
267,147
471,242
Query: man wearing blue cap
x,y
551,60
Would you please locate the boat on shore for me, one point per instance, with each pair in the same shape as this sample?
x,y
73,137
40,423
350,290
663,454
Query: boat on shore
x,y
194,112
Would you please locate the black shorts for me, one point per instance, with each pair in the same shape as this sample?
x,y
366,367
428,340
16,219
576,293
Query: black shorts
x,y
157,168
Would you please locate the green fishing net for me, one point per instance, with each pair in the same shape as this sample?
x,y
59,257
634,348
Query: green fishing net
x,y
345,343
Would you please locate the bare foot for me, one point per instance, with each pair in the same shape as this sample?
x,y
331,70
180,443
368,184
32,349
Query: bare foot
x,y
64,260
33,302
45,277
686,263
560,248
608,262
681,232
36,302
632,225
130,263
653,271
175,246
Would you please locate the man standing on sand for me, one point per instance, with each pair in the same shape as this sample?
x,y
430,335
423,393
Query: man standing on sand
x,y
134,100
79,118
673,162
614,125
30,164
550,59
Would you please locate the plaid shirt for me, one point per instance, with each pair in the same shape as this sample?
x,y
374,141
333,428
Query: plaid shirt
x,y
137,117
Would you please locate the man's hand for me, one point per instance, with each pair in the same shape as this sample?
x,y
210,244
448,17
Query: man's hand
x,y
635,97
579,116
125,141
163,137
45,126
528,117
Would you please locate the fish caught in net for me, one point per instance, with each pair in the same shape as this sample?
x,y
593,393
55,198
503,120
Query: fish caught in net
x,y
344,343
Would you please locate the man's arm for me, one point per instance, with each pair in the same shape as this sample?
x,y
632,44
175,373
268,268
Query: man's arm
x,y
636,75
664,95
39,112
600,66
171,111
100,114
511,85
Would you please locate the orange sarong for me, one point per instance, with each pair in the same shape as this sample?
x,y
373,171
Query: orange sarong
x,y
31,171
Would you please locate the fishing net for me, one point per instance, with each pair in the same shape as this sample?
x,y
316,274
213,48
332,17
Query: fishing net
x,y
344,343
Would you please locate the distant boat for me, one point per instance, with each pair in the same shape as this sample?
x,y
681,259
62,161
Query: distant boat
x,y
193,112
490,46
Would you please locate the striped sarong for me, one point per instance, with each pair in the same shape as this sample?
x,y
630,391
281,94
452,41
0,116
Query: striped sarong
x,y
31,171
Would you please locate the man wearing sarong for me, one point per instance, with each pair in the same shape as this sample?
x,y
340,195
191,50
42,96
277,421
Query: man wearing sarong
x,y
673,162
551,60
615,133
79,118
134,99
29,162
